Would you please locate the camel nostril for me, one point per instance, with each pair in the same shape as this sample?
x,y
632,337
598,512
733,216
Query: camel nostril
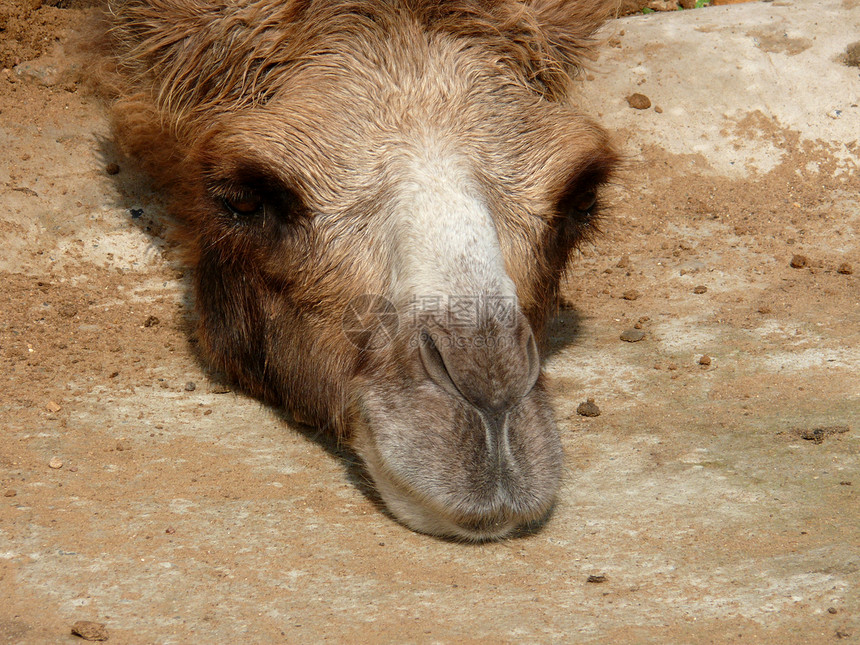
x,y
434,364
533,358
492,368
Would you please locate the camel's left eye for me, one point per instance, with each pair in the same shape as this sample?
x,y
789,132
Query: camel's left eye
x,y
246,205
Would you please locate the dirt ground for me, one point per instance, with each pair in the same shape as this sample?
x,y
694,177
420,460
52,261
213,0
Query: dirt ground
x,y
713,500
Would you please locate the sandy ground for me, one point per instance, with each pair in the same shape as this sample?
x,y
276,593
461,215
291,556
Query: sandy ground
x,y
719,502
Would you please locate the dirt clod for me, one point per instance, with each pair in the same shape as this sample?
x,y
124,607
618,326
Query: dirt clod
x,y
588,408
632,294
596,578
831,610
818,435
151,321
700,289
10,493
90,631
55,463
799,261
639,101
632,335
704,360
190,386
852,54
845,269
53,407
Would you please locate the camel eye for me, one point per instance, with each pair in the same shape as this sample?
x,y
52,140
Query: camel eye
x,y
584,201
579,203
246,205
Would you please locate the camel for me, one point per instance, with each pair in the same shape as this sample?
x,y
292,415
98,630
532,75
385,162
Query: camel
x,y
378,200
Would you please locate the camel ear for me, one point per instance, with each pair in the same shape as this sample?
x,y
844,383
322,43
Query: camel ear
x,y
568,27
546,40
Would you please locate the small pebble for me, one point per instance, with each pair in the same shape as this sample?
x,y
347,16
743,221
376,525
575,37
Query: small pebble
x,y
53,406
638,101
658,109
845,269
630,295
90,631
10,493
764,309
600,577
705,360
700,289
588,409
55,463
112,169
632,335
624,262
799,261
190,386
170,530
152,321
831,610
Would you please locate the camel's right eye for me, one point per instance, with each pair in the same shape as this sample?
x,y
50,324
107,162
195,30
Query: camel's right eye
x,y
243,205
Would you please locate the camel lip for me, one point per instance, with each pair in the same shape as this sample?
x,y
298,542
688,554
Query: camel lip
x,y
496,519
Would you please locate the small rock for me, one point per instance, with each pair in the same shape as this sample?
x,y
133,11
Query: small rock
x,y
588,408
219,388
764,309
90,631
658,109
152,321
112,169
55,463
632,335
624,262
597,578
700,289
705,360
852,54
10,493
68,310
170,530
799,261
845,269
845,483
190,386
831,610
639,101
663,5
632,294
53,407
